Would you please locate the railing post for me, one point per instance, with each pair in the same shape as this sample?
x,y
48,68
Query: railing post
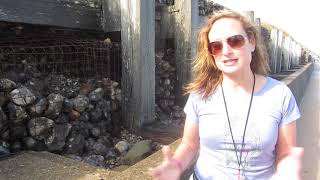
x,y
279,59
186,16
273,48
138,62
286,53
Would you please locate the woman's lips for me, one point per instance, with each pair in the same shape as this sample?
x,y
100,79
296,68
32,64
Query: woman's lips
x,y
229,62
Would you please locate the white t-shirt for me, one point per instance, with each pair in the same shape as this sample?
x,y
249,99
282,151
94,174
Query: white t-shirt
x,y
273,107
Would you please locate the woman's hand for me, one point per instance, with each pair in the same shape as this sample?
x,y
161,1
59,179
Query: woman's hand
x,y
169,169
290,166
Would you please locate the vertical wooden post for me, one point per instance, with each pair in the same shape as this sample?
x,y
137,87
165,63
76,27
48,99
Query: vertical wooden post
x,y
286,53
290,53
294,54
273,46
250,15
299,52
111,15
186,26
257,22
138,68
279,47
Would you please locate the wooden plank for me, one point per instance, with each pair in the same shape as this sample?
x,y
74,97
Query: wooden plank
x,y
111,18
273,52
279,62
138,62
186,24
50,12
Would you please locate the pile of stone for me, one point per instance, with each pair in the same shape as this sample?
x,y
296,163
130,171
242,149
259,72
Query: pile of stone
x,y
167,112
166,2
207,8
50,112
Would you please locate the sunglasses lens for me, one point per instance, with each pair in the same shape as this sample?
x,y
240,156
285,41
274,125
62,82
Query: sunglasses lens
x,y
236,41
215,47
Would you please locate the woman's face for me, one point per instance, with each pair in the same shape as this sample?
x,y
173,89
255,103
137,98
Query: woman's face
x,y
230,46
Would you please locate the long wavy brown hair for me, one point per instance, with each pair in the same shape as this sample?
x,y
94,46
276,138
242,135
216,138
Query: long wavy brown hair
x,y
207,75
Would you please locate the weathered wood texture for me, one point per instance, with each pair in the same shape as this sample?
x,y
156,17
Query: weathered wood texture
x,y
249,15
138,62
280,48
286,53
50,12
111,18
274,51
186,25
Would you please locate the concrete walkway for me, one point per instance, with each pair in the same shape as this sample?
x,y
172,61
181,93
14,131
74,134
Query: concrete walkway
x,y
308,127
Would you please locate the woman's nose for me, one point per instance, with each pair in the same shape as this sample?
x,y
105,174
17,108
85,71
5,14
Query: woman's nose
x,y
226,49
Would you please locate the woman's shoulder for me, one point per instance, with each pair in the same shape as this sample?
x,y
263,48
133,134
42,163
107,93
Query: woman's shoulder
x,y
272,84
198,95
195,95
278,83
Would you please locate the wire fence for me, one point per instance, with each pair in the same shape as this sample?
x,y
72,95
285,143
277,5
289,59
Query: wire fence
x,y
81,58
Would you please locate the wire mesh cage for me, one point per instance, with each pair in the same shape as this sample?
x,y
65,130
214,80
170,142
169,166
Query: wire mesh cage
x,y
55,88
81,58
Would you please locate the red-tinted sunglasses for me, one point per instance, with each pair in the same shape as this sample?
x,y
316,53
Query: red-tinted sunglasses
x,y
235,42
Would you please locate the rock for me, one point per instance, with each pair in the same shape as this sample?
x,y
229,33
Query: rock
x,y
22,96
96,95
74,115
105,140
56,140
16,113
5,134
139,151
4,151
36,85
18,131
3,118
88,145
7,85
39,107
122,147
55,102
86,88
84,117
95,160
96,115
80,103
40,127
62,118
16,146
74,157
108,41
99,148
74,144
95,132
67,105
29,142
3,98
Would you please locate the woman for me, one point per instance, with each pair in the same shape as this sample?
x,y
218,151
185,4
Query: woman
x,y
240,123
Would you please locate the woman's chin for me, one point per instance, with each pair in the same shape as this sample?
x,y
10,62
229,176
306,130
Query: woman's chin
x,y
230,70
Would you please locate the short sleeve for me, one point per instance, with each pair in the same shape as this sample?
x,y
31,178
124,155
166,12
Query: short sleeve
x,y
290,109
191,108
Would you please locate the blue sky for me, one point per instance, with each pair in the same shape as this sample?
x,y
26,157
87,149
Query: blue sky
x,y
298,18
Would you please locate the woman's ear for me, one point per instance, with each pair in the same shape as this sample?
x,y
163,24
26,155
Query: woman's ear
x,y
252,41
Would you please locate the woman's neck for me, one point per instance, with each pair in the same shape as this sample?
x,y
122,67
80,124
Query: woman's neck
x,y
238,82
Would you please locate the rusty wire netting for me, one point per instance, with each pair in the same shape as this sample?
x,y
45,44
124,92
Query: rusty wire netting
x,y
48,80
81,58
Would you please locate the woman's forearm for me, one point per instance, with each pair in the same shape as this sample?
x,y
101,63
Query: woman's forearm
x,y
186,154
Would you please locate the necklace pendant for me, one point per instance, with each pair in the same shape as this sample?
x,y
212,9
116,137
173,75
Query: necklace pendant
x,y
241,175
